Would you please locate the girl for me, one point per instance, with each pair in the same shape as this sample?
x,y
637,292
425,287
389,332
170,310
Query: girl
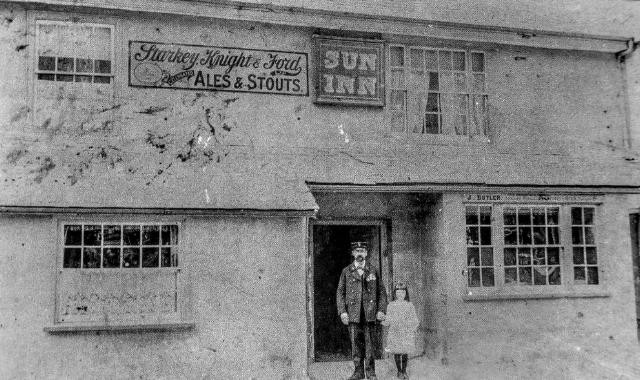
x,y
403,322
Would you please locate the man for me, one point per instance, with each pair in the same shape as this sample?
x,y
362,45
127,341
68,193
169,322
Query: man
x,y
361,299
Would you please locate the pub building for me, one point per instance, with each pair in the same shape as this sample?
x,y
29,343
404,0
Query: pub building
x,y
181,182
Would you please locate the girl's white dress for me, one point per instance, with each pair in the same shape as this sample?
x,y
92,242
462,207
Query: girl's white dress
x,y
403,322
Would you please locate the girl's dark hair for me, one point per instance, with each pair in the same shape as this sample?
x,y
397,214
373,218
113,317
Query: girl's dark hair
x,y
403,287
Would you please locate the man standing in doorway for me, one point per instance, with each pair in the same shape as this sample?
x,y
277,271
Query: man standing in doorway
x,y
361,299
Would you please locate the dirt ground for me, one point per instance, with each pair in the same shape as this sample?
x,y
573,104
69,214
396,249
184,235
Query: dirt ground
x,y
546,357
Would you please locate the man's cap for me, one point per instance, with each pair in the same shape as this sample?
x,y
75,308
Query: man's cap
x,y
400,285
359,244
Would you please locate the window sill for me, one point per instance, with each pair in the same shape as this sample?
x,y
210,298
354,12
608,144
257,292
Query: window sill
x,y
531,296
71,328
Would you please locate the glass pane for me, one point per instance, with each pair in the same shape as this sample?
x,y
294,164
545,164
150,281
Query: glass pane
x,y
576,234
525,276
73,234
91,258
103,66
485,215
150,257
524,235
472,236
578,255
592,257
459,60
478,83
510,236
589,213
579,275
511,276
111,258
473,259
485,235
552,216
101,39
150,235
431,59
111,235
477,62
396,54
165,257
65,64
471,215
83,78
131,258
84,65
46,77
131,235
67,37
509,217
432,103
539,217
446,82
539,235
524,216
64,78
48,39
576,215
431,124
170,235
540,276
434,81
92,235
417,63
554,275
397,100
397,79
487,277
553,235
460,82
46,63
539,256
524,256
487,256
82,45
553,255
71,258
101,79
592,275
588,236
445,60
474,277
509,256
397,122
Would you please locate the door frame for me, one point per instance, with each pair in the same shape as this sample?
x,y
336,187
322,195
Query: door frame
x,y
386,270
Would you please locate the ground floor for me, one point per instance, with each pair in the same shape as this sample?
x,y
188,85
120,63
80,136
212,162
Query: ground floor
x,y
502,279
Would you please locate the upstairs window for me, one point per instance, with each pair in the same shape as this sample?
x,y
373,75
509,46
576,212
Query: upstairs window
x,y
437,91
70,52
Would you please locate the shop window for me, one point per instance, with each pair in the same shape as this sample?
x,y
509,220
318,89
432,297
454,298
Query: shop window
x,y
585,257
511,246
70,52
531,246
437,91
480,267
119,273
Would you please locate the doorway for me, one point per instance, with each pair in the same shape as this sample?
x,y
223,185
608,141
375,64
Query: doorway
x,y
634,222
331,253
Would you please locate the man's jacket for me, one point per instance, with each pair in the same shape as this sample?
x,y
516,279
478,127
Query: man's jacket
x,y
354,289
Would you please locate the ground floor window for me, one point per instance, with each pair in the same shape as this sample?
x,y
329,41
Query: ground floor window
x,y
119,273
530,245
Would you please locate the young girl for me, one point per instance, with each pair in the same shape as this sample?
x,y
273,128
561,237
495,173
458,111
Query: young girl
x,y
403,322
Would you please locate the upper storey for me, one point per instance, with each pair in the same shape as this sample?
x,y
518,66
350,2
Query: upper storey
x,y
234,97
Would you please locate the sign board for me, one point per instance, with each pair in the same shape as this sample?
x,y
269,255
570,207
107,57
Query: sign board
x,y
214,68
349,71
532,198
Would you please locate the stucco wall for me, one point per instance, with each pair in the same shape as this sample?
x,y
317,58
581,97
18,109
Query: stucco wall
x,y
232,265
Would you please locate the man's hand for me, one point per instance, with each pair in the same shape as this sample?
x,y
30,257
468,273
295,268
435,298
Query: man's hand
x,y
380,316
345,318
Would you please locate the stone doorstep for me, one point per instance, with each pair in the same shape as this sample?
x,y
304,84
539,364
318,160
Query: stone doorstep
x,y
419,368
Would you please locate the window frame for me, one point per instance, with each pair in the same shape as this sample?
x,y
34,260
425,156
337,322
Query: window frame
x,y
407,70
181,318
567,287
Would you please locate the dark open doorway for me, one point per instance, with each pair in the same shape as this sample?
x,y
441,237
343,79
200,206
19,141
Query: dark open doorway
x,y
331,253
634,220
